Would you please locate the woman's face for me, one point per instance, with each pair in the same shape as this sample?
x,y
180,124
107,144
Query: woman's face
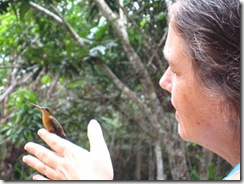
x,y
198,115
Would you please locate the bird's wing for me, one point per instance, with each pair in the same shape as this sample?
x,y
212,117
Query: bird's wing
x,y
58,128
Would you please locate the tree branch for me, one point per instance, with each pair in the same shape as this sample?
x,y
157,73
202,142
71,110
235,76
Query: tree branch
x,y
135,60
15,83
58,18
46,12
152,47
147,112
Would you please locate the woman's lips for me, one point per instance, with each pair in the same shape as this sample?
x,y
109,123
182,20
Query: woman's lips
x,y
176,112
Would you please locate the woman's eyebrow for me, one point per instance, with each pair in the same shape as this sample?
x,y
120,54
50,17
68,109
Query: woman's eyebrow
x,y
169,61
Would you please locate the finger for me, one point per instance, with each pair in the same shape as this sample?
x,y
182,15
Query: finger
x,y
59,145
43,154
39,177
39,166
55,142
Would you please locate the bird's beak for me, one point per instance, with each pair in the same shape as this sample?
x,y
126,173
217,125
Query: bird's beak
x,y
39,107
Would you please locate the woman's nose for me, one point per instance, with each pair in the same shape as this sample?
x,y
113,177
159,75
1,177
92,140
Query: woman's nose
x,y
166,81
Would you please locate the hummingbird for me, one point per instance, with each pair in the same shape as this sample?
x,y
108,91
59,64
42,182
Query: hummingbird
x,y
49,122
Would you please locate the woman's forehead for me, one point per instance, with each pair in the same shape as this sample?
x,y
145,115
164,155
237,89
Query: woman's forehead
x,y
174,45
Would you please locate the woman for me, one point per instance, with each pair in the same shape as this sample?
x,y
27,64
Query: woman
x,y
203,77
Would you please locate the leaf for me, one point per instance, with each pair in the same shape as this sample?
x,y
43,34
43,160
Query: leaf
x,y
97,51
24,8
46,79
4,6
76,84
112,121
161,16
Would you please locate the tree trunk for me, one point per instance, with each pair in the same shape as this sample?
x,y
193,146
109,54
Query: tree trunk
x,y
138,160
8,156
204,163
159,160
177,159
151,163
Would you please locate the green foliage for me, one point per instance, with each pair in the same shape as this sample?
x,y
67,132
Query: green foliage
x,y
212,172
161,16
193,175
114,122
46,80
23,122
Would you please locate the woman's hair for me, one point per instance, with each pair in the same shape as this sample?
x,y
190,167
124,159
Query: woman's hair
x,y
211,32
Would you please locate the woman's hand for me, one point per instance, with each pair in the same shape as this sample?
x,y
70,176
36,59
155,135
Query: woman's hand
x,y
68,161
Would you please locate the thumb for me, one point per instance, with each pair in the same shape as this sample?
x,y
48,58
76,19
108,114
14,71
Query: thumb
x,y
98,147
95,136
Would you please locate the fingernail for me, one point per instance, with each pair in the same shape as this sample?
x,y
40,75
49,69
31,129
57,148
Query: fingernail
x,y
26,145
24,158
41,131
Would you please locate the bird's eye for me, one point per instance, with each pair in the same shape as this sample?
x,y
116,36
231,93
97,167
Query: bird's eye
x,y
48,110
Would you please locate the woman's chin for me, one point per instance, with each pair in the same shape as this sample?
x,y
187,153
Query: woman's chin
x,y
182,133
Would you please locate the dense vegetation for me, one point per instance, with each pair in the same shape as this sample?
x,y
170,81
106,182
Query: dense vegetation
x,y
94,59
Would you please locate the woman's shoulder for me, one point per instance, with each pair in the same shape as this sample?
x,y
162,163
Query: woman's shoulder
x,y
234,174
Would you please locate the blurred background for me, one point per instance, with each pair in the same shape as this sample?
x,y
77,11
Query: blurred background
x,y
98,59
